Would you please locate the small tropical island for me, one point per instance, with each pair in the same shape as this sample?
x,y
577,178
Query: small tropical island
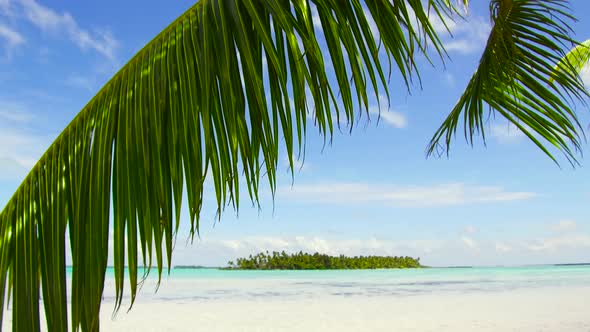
x,y
317,261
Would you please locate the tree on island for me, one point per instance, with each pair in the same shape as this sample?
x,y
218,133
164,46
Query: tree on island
x,y
195,101
304,261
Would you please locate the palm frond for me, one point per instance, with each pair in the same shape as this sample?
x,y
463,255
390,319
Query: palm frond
x,y
515,79
576,59
192,102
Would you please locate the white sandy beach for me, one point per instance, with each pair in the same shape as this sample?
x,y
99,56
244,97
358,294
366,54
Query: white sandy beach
x,y
548,309
560,309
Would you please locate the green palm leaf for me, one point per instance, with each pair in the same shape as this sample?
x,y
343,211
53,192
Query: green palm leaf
x,y
177,112
516,79
576,59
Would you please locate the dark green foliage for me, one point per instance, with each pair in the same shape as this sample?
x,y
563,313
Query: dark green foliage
x,y
317,261
516,79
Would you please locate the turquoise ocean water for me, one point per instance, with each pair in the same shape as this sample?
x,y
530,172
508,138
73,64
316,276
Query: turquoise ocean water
x,y
215,284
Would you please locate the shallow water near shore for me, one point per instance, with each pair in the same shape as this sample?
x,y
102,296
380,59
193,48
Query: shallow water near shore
x,y
215,284
551,298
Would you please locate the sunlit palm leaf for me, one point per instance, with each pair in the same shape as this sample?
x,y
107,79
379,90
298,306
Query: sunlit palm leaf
x,y
576,59
176,112
515,79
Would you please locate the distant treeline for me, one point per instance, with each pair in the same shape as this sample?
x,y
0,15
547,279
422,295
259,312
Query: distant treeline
x,y
305,261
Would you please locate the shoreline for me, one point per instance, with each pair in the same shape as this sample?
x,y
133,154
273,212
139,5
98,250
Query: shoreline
x,y
439,299
549,309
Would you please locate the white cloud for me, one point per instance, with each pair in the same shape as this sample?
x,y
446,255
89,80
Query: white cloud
x,y
470,243
23,148
216,252
564,226
464,36
506,133
470,229
565,241
439,25
10,39
5,8
311,244
11,169
465,250
79,81
463,46
49,21
503,247
299,164
564,235
19,149
395,119
450,79
13,112
402,196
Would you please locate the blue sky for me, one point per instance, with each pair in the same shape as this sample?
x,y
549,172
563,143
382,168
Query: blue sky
x,y
371,192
